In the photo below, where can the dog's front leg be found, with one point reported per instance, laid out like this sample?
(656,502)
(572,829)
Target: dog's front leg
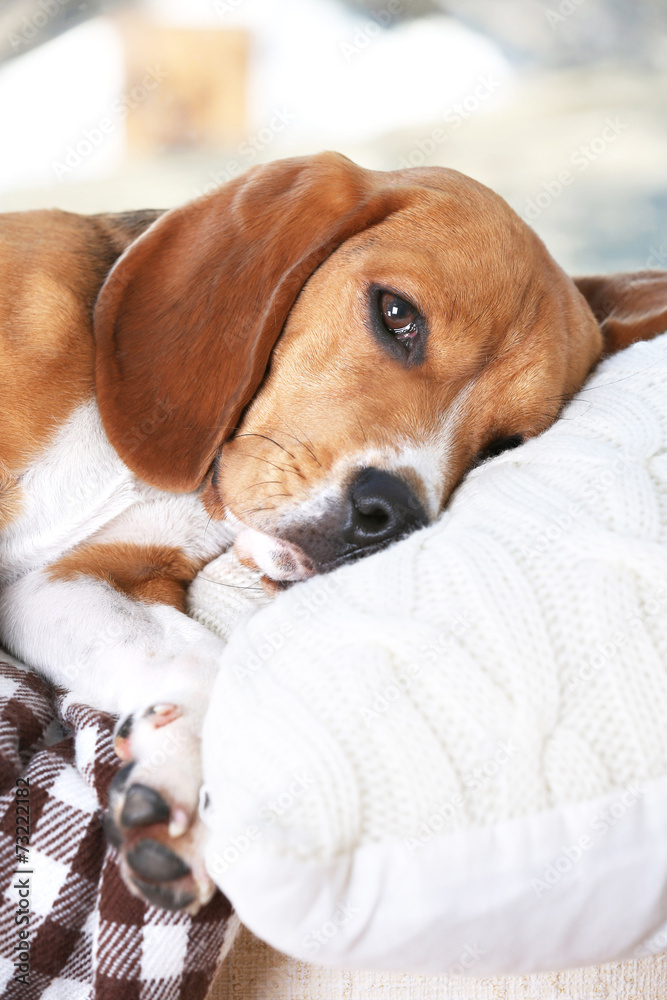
(154,667)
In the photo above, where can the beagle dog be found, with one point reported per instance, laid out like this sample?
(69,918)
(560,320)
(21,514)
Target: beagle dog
(302,364)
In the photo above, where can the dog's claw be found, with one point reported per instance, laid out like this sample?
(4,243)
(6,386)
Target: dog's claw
(205,890)
(179,823)
(164,714)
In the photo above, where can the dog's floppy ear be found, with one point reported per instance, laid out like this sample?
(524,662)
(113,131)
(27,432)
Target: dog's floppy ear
(186,320)
(628,307)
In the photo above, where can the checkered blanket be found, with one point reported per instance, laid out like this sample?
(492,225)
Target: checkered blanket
(69,929)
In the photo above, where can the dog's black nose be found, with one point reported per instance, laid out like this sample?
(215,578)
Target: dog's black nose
(381,507)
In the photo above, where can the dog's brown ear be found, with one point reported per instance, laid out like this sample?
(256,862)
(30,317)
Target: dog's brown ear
(186,320)
(628,307)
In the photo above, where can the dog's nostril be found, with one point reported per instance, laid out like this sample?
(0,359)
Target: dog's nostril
(375,514)
(381,507)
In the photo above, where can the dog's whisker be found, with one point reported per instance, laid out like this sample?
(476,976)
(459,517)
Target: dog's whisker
(267,438)
(280,468)
(361,426)
(266,482)
(656,364)
(233,586)
(306,448)
(255,510)
(308,439)
(451,312)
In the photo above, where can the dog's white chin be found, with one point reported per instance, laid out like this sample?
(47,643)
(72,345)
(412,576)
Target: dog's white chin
(276,558)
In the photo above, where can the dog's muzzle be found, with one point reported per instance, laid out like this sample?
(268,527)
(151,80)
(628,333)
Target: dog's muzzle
(375,509)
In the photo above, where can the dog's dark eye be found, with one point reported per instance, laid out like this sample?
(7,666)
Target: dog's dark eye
(399,317)
(499,445)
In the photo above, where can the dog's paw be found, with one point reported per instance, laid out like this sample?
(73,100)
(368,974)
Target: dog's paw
(153,809)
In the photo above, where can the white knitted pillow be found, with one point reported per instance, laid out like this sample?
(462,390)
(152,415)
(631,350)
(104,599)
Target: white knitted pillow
(452,756)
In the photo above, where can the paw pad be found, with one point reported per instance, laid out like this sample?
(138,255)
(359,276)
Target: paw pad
(143,806)
(156,862)
(152,818)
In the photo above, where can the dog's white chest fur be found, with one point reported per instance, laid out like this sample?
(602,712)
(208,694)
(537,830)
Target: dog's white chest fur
(79,491)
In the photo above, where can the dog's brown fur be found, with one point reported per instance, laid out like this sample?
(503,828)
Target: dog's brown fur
(233,350)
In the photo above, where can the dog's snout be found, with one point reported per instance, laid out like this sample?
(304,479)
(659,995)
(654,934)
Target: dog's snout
(381,508)
(376,508)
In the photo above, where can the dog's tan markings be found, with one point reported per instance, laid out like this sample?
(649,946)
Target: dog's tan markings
(213,505)
(156,574)
(508,340)
(10,499)
(52,265)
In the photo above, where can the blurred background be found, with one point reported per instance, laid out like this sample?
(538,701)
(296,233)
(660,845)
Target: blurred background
(559,105)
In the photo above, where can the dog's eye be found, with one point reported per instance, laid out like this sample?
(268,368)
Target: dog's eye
(499,445)
(399,317)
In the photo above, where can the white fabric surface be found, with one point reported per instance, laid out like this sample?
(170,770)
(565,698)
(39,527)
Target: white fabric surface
(401,756)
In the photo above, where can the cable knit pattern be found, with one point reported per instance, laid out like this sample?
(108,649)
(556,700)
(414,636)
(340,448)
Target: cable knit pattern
(223,594)
(508,659)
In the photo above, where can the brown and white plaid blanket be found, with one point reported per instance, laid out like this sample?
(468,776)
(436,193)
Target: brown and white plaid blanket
(69,929)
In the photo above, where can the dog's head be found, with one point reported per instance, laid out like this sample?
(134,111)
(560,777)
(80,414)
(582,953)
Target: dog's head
(334,347)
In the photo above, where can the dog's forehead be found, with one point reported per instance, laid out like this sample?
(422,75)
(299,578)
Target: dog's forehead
(447,262)
(451,234)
